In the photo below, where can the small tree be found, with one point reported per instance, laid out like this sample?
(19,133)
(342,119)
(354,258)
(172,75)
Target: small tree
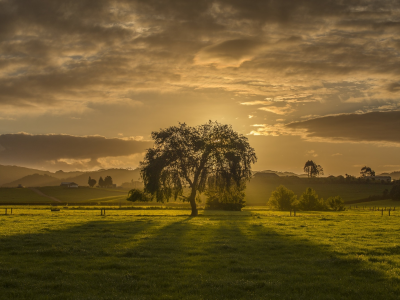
(185,157)
(92,182)
(367,171)
(108,181)
(283,199)
(101,182)
(336,203)
(310,201)
(312,169)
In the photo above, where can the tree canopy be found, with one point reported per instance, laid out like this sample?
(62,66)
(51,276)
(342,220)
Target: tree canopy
(312,169)
(187,157)
(367,171)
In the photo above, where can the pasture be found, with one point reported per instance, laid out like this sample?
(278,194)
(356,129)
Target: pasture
(165,254)
(258,191)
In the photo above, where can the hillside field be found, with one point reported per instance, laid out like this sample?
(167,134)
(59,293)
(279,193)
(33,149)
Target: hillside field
(16,195)
(164,254)
(258,191)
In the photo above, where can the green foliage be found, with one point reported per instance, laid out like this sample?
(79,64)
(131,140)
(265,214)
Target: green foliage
(395,192)
(336,203)
(309,201)
(283,198)
(222,197)
(136,195)
(92,182)
(108,181)
(312,169)
(185,156)
(367,171)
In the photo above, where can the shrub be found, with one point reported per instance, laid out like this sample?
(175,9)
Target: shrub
(227,198)
(310,201)
(283,198)
(336,203)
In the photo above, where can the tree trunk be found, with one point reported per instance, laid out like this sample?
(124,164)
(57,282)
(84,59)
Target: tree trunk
(192,200)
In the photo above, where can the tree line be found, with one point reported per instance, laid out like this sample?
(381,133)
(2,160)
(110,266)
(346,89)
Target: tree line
(285,199)
(106,182)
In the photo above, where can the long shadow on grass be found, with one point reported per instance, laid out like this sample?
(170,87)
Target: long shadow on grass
(237,259)
(182,258)
(81,262)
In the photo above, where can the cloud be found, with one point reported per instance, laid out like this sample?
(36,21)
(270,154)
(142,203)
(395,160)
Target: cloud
(66,151)
(337,154)
(65,57)
(377,127)
(228,53)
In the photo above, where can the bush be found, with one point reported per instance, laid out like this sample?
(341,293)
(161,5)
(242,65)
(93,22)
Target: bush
(283,198)
(310,201)
(229,198)
(336,203)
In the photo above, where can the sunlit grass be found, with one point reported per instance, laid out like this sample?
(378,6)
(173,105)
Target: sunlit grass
(164,254)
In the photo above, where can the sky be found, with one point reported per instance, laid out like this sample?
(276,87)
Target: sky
(84,83)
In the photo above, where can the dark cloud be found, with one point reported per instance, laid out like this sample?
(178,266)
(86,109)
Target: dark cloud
(370,127)
(64,56)
(46,149)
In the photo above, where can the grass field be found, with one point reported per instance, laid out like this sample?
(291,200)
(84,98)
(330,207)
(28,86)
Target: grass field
(83,194)
(165,254)
(10,195)
(258,192)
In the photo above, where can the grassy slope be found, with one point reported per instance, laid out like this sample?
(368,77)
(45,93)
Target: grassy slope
(83,194)
(9,195)
(259,255)
(259,191)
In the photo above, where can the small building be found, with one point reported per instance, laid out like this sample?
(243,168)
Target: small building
(69,184)
(383,178)
(379,178)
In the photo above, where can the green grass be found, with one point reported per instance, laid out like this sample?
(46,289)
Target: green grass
(21,195)
(258,192)
(378,203)
(82,194)
(165,254)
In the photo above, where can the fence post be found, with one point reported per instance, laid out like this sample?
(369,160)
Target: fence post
(290,212)
(11,210)
(382,211)
(294,212)
(389,212)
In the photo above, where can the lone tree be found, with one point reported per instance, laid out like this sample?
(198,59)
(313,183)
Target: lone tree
(187,157)
(367,171)
(101,182)
(92,182)
(312,169)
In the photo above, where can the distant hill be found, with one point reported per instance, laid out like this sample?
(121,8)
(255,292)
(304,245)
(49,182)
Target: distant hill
(395,175)
(34,180)
(283,174)
(13,175)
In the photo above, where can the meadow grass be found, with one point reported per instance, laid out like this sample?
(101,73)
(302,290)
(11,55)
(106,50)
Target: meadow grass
(378,203)
(165,254)
(81,194)
(21,195)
